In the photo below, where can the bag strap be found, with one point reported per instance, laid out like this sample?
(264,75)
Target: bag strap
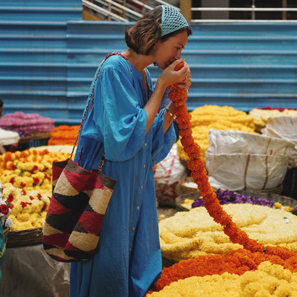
(86,110)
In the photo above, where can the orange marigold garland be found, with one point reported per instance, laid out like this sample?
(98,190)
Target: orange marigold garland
(235,262)
(198,172)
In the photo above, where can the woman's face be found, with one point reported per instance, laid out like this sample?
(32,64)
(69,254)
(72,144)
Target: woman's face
(170,50)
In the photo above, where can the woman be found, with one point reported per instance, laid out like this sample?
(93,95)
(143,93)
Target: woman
(135,137)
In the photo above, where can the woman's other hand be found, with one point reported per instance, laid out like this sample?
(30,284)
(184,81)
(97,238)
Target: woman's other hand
(180,78)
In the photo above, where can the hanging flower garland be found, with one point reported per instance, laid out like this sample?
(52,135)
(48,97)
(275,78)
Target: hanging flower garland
(199,173)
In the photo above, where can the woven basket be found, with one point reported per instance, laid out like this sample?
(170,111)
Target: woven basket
(186,189)
(180,200)
(167,262)
(6,230)
(24,237)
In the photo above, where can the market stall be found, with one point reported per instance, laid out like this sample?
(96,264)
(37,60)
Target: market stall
(232,225)
(26,178)
(246,170)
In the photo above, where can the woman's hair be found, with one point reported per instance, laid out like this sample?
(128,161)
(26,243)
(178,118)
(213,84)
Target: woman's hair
(142,37)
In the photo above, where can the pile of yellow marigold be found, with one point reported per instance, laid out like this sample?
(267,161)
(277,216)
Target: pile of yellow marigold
(194,233)
(260,116)
(29,169)
(26,177)
(28,208)
(215,117)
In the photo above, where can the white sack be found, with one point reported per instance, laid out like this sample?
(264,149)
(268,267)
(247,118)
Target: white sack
(8,137)
(245,172)
(242,161)
(233,142)
(167,176)
(284,128)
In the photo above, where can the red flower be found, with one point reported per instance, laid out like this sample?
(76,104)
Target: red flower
(13,167)
(31,198)
(35,167)
(23,184)
(39,196)
(11,206)
(35,180)
(10,198)
(12,180)
(4,208)
(44,206)
(23,192)
(24,204)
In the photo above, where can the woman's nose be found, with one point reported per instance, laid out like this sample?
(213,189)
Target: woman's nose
(177,57)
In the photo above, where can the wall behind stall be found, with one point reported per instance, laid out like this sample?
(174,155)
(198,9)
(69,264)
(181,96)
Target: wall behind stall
(48,59)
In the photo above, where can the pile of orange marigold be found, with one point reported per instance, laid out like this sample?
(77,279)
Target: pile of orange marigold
(63,135)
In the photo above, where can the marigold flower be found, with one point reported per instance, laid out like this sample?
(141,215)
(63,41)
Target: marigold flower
(183,118)
(180,102)
(181,110)
(187,140)
(193,149)
(184,125)
(185,132)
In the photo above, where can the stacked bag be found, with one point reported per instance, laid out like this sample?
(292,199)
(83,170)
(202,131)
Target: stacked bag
(243,161)
(284,127)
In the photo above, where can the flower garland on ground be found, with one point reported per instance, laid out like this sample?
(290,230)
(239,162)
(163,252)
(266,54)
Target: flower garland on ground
(268,280)
(199,173)
(235,262)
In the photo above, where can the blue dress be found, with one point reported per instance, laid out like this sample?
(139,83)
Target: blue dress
(128,257)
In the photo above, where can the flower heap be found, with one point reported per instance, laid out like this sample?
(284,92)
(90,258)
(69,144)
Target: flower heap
(215,117)
(236,262)
(27,208)
(64,134)
(29,169)
(5,210)
(268,280)
(199,173)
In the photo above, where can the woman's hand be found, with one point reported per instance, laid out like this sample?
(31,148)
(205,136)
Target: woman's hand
(180,78)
